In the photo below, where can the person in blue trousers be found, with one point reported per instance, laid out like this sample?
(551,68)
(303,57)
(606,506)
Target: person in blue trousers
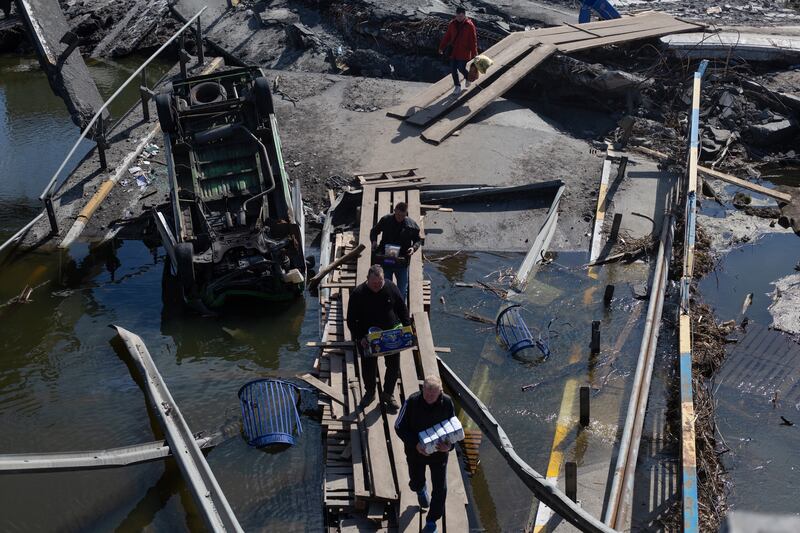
(399,231)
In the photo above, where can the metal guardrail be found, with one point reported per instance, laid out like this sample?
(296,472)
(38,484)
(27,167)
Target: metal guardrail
(546,491)
(97,119)
(210,500)
(688,455)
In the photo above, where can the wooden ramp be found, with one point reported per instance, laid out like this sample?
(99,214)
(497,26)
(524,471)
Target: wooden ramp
(366,477)
(515,57)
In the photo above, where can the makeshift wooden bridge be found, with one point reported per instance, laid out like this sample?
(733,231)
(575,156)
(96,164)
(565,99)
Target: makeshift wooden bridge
(366,477)
(441,113)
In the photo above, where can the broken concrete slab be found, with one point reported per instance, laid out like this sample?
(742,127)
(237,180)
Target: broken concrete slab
(771,132)
(134,27)
(746,46)
(68,75)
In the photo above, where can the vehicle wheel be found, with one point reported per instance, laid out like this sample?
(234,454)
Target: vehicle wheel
(263,97)
(166,115)
(184,251)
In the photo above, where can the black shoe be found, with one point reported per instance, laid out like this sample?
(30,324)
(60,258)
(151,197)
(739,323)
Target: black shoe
(391,404)
(366,400)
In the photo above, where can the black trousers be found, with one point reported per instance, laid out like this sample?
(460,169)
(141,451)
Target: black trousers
(457,65)
(416,474)
(369,371)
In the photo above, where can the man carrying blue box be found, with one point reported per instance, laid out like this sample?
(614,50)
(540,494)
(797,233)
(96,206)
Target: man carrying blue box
(422,414)
(376,303)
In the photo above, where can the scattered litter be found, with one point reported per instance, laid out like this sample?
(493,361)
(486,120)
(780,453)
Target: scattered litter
(135,170)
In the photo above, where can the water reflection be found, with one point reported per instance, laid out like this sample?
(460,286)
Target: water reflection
(63,387)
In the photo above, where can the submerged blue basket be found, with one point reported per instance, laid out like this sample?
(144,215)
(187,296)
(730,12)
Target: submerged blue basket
(512,331)
(269,412)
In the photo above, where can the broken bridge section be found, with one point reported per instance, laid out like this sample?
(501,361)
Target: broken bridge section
(66,71)
(442,113)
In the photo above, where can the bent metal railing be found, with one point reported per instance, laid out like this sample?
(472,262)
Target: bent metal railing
(47,194)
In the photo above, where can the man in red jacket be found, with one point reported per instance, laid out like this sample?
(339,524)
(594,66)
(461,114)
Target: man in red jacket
(462,40)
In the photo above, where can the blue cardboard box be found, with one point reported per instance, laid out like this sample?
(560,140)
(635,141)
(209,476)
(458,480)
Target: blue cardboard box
(391,341)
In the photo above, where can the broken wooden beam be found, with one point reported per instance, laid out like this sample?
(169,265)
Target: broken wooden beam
(349,256)
(323,387)
(780,196)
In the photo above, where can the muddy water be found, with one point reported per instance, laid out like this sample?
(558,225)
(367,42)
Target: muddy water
(64,388)
(761,455)
(564,297)
(36,132)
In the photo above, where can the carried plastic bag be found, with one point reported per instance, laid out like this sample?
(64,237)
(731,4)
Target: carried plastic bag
(482,63)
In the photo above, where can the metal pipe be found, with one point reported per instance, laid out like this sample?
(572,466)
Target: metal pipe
(622,483)
(49,188)
(265,156)
(108,458)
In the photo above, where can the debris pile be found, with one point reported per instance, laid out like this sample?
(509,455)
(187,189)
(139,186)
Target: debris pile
(708,354)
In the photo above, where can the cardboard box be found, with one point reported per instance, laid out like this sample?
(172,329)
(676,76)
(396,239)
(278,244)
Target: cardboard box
(391,341)
(449,431)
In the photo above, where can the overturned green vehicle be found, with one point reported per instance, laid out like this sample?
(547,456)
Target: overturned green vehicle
(234,225)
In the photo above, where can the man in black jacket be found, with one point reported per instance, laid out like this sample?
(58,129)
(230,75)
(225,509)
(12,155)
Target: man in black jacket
(376,303)
(399,230)
(421,411)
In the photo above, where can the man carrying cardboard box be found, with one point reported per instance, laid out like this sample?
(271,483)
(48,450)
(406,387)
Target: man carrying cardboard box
(376,303)
(422,411)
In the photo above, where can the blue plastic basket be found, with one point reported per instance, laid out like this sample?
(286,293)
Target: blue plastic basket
(269,412)
(512,331)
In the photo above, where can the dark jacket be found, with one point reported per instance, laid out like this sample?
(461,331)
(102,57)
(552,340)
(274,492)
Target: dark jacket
(417,415)
(464,38)
(403,234)
(382,309)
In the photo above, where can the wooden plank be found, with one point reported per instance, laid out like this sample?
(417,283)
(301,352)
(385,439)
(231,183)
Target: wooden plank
(408,512)
(383,483)
(415,269)
(338,285)
(384,203)
(455,506)
(783,197)
(445,85)
(600,25)
(327,389)
(395,181)
(367,221)
(370,176)
(447,101)
(678,27)
(461,115)
(336,384)
(350,362)
(427,352)
(329,344)
(566,34)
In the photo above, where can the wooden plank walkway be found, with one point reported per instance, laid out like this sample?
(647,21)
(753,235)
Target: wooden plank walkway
(513,60)
(366,475)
